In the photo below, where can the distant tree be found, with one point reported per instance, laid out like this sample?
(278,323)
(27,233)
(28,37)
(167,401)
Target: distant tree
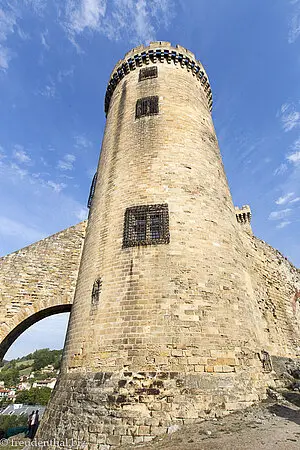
(44,357)
(10,376)
(34,396)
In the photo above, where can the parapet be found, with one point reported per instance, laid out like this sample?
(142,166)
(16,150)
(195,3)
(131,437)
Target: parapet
(243,216)
(159,51)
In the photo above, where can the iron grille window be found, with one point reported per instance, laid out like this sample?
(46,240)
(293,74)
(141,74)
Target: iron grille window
(92,191)
(148,72)
(97,287)
(146,225)
(146,106)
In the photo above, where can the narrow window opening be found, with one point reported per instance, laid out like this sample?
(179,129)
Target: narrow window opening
(92,191)
(97,287)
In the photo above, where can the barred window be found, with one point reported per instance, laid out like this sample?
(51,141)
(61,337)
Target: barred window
(97,287)
(146,225)
(148,72)
(146,106)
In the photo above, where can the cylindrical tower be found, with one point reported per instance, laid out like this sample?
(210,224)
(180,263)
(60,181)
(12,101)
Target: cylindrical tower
(162,330)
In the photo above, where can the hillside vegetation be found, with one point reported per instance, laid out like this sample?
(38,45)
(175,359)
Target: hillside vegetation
(12,370)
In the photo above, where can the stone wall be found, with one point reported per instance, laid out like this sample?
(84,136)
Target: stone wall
(37,281)
(276,295)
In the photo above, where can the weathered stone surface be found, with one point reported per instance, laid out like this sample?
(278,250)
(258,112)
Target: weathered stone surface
(37,281)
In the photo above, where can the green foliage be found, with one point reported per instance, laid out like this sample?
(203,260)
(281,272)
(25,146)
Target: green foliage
(24,363)
(34,396)
(44,357)
(11,371)
(11,421)
(10,376)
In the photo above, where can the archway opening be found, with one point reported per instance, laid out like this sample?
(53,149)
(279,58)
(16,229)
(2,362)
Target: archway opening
(27,323)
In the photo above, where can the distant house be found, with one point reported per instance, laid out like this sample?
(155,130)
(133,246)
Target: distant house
(47,369)
(24,386)
(8,394)
(4,392)
(50,383)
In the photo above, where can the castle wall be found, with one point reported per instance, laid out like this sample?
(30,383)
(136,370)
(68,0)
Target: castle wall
(40,277)
(276,296)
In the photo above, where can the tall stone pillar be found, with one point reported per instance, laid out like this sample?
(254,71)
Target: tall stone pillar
(162,329)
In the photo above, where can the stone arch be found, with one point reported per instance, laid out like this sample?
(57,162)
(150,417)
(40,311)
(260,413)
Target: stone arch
(23,321)
(38,281)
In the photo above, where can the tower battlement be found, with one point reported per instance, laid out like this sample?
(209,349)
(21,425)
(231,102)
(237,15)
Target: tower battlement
(158,52)
(243,216)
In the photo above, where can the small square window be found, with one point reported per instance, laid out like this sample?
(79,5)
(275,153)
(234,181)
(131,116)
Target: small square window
(148,72)
(146,106)
(146,225)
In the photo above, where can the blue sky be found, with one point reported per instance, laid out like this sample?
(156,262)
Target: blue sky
(55,60)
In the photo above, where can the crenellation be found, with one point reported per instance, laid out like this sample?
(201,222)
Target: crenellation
(135,59)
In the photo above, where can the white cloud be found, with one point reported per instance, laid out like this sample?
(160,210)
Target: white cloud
(38,6)
(62,74)
(81,141)
(294,157)
(9,227)
(44,42)
(136,20)
(294,24)
(281,169)
(283,224)
(8,20)
(2,153)
(7,23)
(290,117)
(295,200)
(57,187)
(84,14)
(5,57)
(296,145)
(67,163)
(10,15)
(17,170)
(81,214)
(284,199)
(20,155)
(277,215)
(48,91)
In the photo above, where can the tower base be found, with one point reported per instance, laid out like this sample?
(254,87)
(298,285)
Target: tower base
(103,410)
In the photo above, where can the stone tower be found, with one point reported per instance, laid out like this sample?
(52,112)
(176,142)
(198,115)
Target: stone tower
(162,329)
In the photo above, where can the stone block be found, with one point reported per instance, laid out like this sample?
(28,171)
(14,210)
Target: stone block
(157,431)
(228,368)
(199,368)
(113,440)
(143,430)
(127,440)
